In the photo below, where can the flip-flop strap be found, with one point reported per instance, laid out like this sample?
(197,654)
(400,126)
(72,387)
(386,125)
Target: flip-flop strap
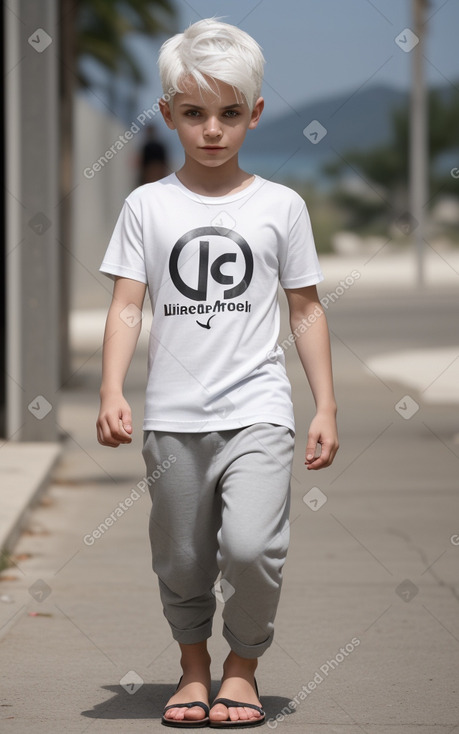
(229,703)
(188,706)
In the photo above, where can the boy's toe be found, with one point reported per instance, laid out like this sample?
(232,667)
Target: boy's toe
(219,712)
(195,713)
(243,714)
(174,714)
(185,713)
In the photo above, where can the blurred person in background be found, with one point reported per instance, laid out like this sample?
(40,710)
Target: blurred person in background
(153,163)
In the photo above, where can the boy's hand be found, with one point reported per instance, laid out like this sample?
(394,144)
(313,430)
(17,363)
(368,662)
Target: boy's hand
(114,424)
(323,436)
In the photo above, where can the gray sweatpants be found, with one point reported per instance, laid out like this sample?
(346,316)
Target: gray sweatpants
(220,503)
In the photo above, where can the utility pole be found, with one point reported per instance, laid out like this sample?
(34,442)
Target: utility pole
(419,140)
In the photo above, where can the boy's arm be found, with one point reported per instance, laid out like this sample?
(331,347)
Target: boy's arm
(122,329)
(309,326)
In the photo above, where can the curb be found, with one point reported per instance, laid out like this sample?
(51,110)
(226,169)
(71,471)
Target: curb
(26,472)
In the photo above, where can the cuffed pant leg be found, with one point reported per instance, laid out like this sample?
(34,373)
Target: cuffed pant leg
(184,519)
(254,534)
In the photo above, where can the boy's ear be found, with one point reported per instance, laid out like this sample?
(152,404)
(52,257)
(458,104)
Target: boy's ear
(256,113)
(166,113)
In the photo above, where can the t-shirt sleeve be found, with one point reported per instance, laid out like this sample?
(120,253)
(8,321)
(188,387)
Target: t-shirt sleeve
(299,267)
(125,252)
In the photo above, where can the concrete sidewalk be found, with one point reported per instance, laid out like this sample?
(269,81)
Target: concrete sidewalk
(367,629)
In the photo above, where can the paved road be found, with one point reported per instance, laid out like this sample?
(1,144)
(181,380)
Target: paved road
(367,636)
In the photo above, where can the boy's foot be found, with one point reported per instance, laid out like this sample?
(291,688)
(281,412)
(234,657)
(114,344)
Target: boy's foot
(192,687)
(238,684)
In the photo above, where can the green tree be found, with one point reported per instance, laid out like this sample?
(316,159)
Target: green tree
(385,168)
(103,25)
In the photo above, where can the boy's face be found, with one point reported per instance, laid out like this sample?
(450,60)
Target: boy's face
(211,127)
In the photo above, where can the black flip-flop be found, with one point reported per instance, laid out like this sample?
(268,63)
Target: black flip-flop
(229,703)
(186,722)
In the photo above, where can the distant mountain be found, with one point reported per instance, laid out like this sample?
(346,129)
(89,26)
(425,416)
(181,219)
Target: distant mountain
(355,119)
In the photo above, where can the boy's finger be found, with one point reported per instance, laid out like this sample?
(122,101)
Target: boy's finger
(126,421)
(325,453)
(110,436)
(115,431)
(104,436)
(325,458)
(311,449)
(318,463)
(124,431)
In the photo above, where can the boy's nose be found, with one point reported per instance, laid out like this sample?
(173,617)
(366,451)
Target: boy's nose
(212,128)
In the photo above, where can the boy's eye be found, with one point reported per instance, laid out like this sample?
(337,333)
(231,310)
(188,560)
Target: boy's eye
(229,114)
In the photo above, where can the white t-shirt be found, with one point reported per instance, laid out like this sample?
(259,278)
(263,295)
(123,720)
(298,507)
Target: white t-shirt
(213,266)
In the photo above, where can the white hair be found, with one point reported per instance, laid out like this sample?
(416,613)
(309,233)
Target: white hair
(214,49)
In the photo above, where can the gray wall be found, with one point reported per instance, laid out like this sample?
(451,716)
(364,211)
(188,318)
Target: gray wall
(32,210)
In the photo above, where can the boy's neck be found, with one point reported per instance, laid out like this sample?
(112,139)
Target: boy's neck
(220,181)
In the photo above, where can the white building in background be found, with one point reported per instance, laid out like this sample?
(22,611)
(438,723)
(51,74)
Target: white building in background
(105,171)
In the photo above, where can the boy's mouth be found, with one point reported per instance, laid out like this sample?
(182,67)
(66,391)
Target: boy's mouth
(212,147)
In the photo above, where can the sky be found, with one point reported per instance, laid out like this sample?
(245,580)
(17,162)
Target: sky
(319,48)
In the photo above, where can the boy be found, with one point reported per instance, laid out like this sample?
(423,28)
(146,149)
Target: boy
(212,242)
